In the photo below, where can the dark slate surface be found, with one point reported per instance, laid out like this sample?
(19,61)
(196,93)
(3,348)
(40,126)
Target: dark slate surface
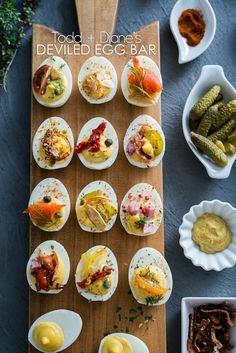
(185,180)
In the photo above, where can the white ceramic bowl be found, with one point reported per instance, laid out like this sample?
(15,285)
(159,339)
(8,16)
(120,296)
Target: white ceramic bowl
(219,260)
(210,75)
(187,306)
(186,52)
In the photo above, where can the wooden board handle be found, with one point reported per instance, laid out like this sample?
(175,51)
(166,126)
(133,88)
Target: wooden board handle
(95,17)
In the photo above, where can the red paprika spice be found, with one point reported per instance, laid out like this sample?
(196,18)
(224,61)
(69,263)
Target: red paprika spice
(192,26)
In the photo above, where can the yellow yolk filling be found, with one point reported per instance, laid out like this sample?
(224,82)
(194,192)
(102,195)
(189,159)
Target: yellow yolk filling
(48,336)
(117,344)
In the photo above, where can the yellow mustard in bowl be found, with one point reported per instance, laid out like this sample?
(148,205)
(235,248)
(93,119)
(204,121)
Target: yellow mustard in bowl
(48,336)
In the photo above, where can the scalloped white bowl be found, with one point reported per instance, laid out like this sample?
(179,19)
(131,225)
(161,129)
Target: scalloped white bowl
(219,260)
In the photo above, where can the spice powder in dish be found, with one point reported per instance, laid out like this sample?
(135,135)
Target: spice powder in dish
(192,26)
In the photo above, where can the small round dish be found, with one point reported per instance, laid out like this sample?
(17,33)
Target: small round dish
(219,260)
(186,52)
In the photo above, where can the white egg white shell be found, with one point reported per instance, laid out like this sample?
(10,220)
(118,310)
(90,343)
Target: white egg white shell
(146,190)
(62,126)
(47,247)
(57,62)
(109,192)
(84,292)
(146,257)
(109,132)
(94,64)
(133,129)
(69,321)
(54,188)
(148,63)
(137,344)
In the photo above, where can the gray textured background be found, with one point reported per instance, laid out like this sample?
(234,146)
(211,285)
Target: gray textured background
(185,180)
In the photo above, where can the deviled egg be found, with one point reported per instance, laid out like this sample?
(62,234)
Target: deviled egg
(141,81)
(96,207)
(96,275)
(97,80)
(48,268)
(97,145)
(49,205)
(52,82)
(144,142)
(53,144)
(150,278)
(55,330)
(122,343)
(141,210)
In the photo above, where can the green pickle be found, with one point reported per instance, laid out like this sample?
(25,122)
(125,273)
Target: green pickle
(201,106)
(224,132)
(224,115)
(210,149)
(208,117)
(220,145)
(229,148)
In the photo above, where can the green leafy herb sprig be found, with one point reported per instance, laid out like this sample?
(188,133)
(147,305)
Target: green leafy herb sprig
(13,23)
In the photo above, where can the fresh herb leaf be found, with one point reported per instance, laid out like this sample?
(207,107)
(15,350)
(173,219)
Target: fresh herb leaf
(152,300)
(118,309)
(142,221)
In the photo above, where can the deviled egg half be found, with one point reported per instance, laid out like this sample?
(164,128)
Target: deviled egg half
(97,80)
(52,82)
(96,207)
(53,144)
(141,81)
(97,144)
(48,268)
(55,330)
(49,205)
(144,142)
(150,278)
(141,210)
(122,343)
(96,275)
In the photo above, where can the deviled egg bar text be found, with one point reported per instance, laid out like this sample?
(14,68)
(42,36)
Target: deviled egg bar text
(55,330)
(49,205)
(144,142)
(48,268)
(52,82)
(122,343)
(97,80)
(96,207)
(53,144)
(141,210)
(150,277)
(97,145)
(97,274)
(141,81)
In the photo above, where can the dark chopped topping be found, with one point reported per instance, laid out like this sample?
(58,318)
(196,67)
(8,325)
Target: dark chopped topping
(209,327)
(47,199)
(108,142)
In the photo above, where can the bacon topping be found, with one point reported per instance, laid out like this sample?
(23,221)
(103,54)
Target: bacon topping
(94,277)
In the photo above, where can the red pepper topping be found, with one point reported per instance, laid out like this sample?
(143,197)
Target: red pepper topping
(94,140)
(129,196)
(97,275)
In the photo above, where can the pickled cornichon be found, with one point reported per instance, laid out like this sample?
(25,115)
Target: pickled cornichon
(204,103)
(224,132)
(208,117)
(229,148)
(224,114)
(210,149)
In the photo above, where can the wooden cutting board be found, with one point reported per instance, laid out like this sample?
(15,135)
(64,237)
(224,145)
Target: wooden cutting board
(98,317)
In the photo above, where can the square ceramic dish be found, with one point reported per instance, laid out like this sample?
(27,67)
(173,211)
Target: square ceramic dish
(187,306)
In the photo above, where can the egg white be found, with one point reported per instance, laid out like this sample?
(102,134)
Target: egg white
(62,126)
(148,63)
(84,292)
(57,62)
(133,128)
(145,257)
(109,133)
(94,64)
(47,247)
(109,192)
(70,322)
(146,190)
(137,344)
(54,188)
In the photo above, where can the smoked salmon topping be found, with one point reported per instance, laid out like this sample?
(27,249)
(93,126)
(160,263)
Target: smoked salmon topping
(43,212)
(143,81)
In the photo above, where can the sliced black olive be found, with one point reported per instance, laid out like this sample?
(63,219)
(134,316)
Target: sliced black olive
(82,202)
(108,142)
(106,283)
(58,215)
(47,199)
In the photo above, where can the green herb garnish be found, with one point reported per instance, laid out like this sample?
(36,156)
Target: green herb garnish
(118,309)
(142,221)
(152,300)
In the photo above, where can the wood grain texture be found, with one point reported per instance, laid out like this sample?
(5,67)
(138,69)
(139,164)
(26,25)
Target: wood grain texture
(98,317)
